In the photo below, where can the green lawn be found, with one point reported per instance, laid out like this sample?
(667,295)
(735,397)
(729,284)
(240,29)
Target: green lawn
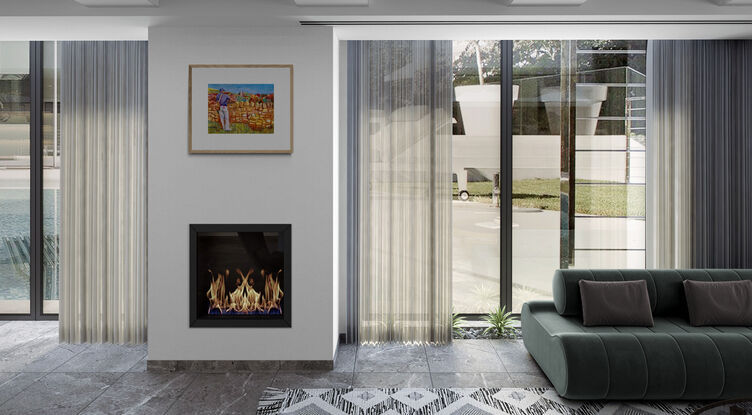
(602,200)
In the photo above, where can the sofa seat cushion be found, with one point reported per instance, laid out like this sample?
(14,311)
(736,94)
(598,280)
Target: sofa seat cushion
(671,360)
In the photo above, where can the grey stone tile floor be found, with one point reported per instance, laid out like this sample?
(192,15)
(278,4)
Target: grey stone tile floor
(39,375)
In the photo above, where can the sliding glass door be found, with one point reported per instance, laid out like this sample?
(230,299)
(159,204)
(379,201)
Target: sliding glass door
(15,178)
(570,191)
(28,120)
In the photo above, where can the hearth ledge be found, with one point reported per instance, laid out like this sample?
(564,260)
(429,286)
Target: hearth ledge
(221,366)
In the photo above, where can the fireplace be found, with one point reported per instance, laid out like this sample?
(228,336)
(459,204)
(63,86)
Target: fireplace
(240,275)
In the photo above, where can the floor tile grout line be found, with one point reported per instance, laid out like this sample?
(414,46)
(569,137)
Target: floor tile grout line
(188,386)
(72,356)
(146,355)
(27,364)
(23,389)
(498,356)
(428,364)
(103,389)
(89,345)
(45,374)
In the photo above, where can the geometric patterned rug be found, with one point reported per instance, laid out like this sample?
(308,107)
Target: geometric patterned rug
(462,401)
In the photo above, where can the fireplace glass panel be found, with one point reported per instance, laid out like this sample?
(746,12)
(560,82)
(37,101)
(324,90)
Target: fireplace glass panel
(241,276)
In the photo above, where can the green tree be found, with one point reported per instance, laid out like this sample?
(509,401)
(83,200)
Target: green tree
(465,67)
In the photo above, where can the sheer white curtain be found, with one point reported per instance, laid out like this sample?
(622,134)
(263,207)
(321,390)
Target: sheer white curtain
(669,153)
(103,237)
(404,189)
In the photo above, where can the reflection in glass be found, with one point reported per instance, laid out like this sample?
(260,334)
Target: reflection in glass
(14,178)
(536,161)
(609,172)
(51,178)
(610,190)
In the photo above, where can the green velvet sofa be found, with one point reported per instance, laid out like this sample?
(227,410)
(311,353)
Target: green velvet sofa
(672,360)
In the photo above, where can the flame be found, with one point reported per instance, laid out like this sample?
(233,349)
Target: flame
(244,299)
(272,292)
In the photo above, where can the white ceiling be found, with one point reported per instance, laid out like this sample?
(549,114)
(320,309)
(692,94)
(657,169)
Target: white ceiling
(118,3)
(329,3)
(734,2)
(66,19)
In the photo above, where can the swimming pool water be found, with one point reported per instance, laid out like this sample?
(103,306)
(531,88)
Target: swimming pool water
(15,223)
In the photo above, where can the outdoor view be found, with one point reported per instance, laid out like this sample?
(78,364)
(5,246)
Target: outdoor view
(609,173)
(476,145)
(15,179)
(50,178)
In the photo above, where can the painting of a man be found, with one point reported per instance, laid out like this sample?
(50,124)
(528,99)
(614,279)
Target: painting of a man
(224,116)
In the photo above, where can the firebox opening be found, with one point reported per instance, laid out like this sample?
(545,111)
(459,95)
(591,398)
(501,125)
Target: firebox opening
(240,274)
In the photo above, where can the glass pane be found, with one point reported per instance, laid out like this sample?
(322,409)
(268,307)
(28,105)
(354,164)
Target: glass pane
(476,146)
(609,163)
(604,259)
(14,177)
(51,179)
(612,234)
(536,161)
(610,158)
(611,166)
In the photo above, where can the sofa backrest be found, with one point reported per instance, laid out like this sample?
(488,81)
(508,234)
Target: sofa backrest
(665,286)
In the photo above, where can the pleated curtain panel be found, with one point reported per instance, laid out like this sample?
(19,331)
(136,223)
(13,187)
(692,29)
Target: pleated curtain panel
(700,144)
(400,93)
(669,210)
(103,173)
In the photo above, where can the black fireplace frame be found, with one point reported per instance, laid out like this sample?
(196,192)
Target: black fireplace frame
(277,320)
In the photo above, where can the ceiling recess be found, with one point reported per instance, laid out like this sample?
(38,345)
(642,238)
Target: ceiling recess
(331,3)
(733,2)
(544,2)
(118,3)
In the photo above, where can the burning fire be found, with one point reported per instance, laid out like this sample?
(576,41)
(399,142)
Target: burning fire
(244,299)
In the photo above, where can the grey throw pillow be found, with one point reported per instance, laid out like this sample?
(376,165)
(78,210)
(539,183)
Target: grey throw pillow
(615,303)
(721,303)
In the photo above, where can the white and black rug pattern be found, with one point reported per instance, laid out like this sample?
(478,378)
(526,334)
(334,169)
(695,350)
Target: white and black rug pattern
(440,401)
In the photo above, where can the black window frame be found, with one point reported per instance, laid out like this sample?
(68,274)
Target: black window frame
(36,269)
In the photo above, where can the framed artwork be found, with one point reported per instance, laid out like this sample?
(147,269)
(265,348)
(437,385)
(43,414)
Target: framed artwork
(239,109)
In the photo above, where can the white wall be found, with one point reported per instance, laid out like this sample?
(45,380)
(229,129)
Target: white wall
(296,189)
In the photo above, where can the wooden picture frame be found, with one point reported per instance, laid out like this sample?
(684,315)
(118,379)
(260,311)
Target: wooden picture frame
(240,109)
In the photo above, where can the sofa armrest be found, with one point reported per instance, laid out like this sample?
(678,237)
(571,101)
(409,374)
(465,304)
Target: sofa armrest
(565,356)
